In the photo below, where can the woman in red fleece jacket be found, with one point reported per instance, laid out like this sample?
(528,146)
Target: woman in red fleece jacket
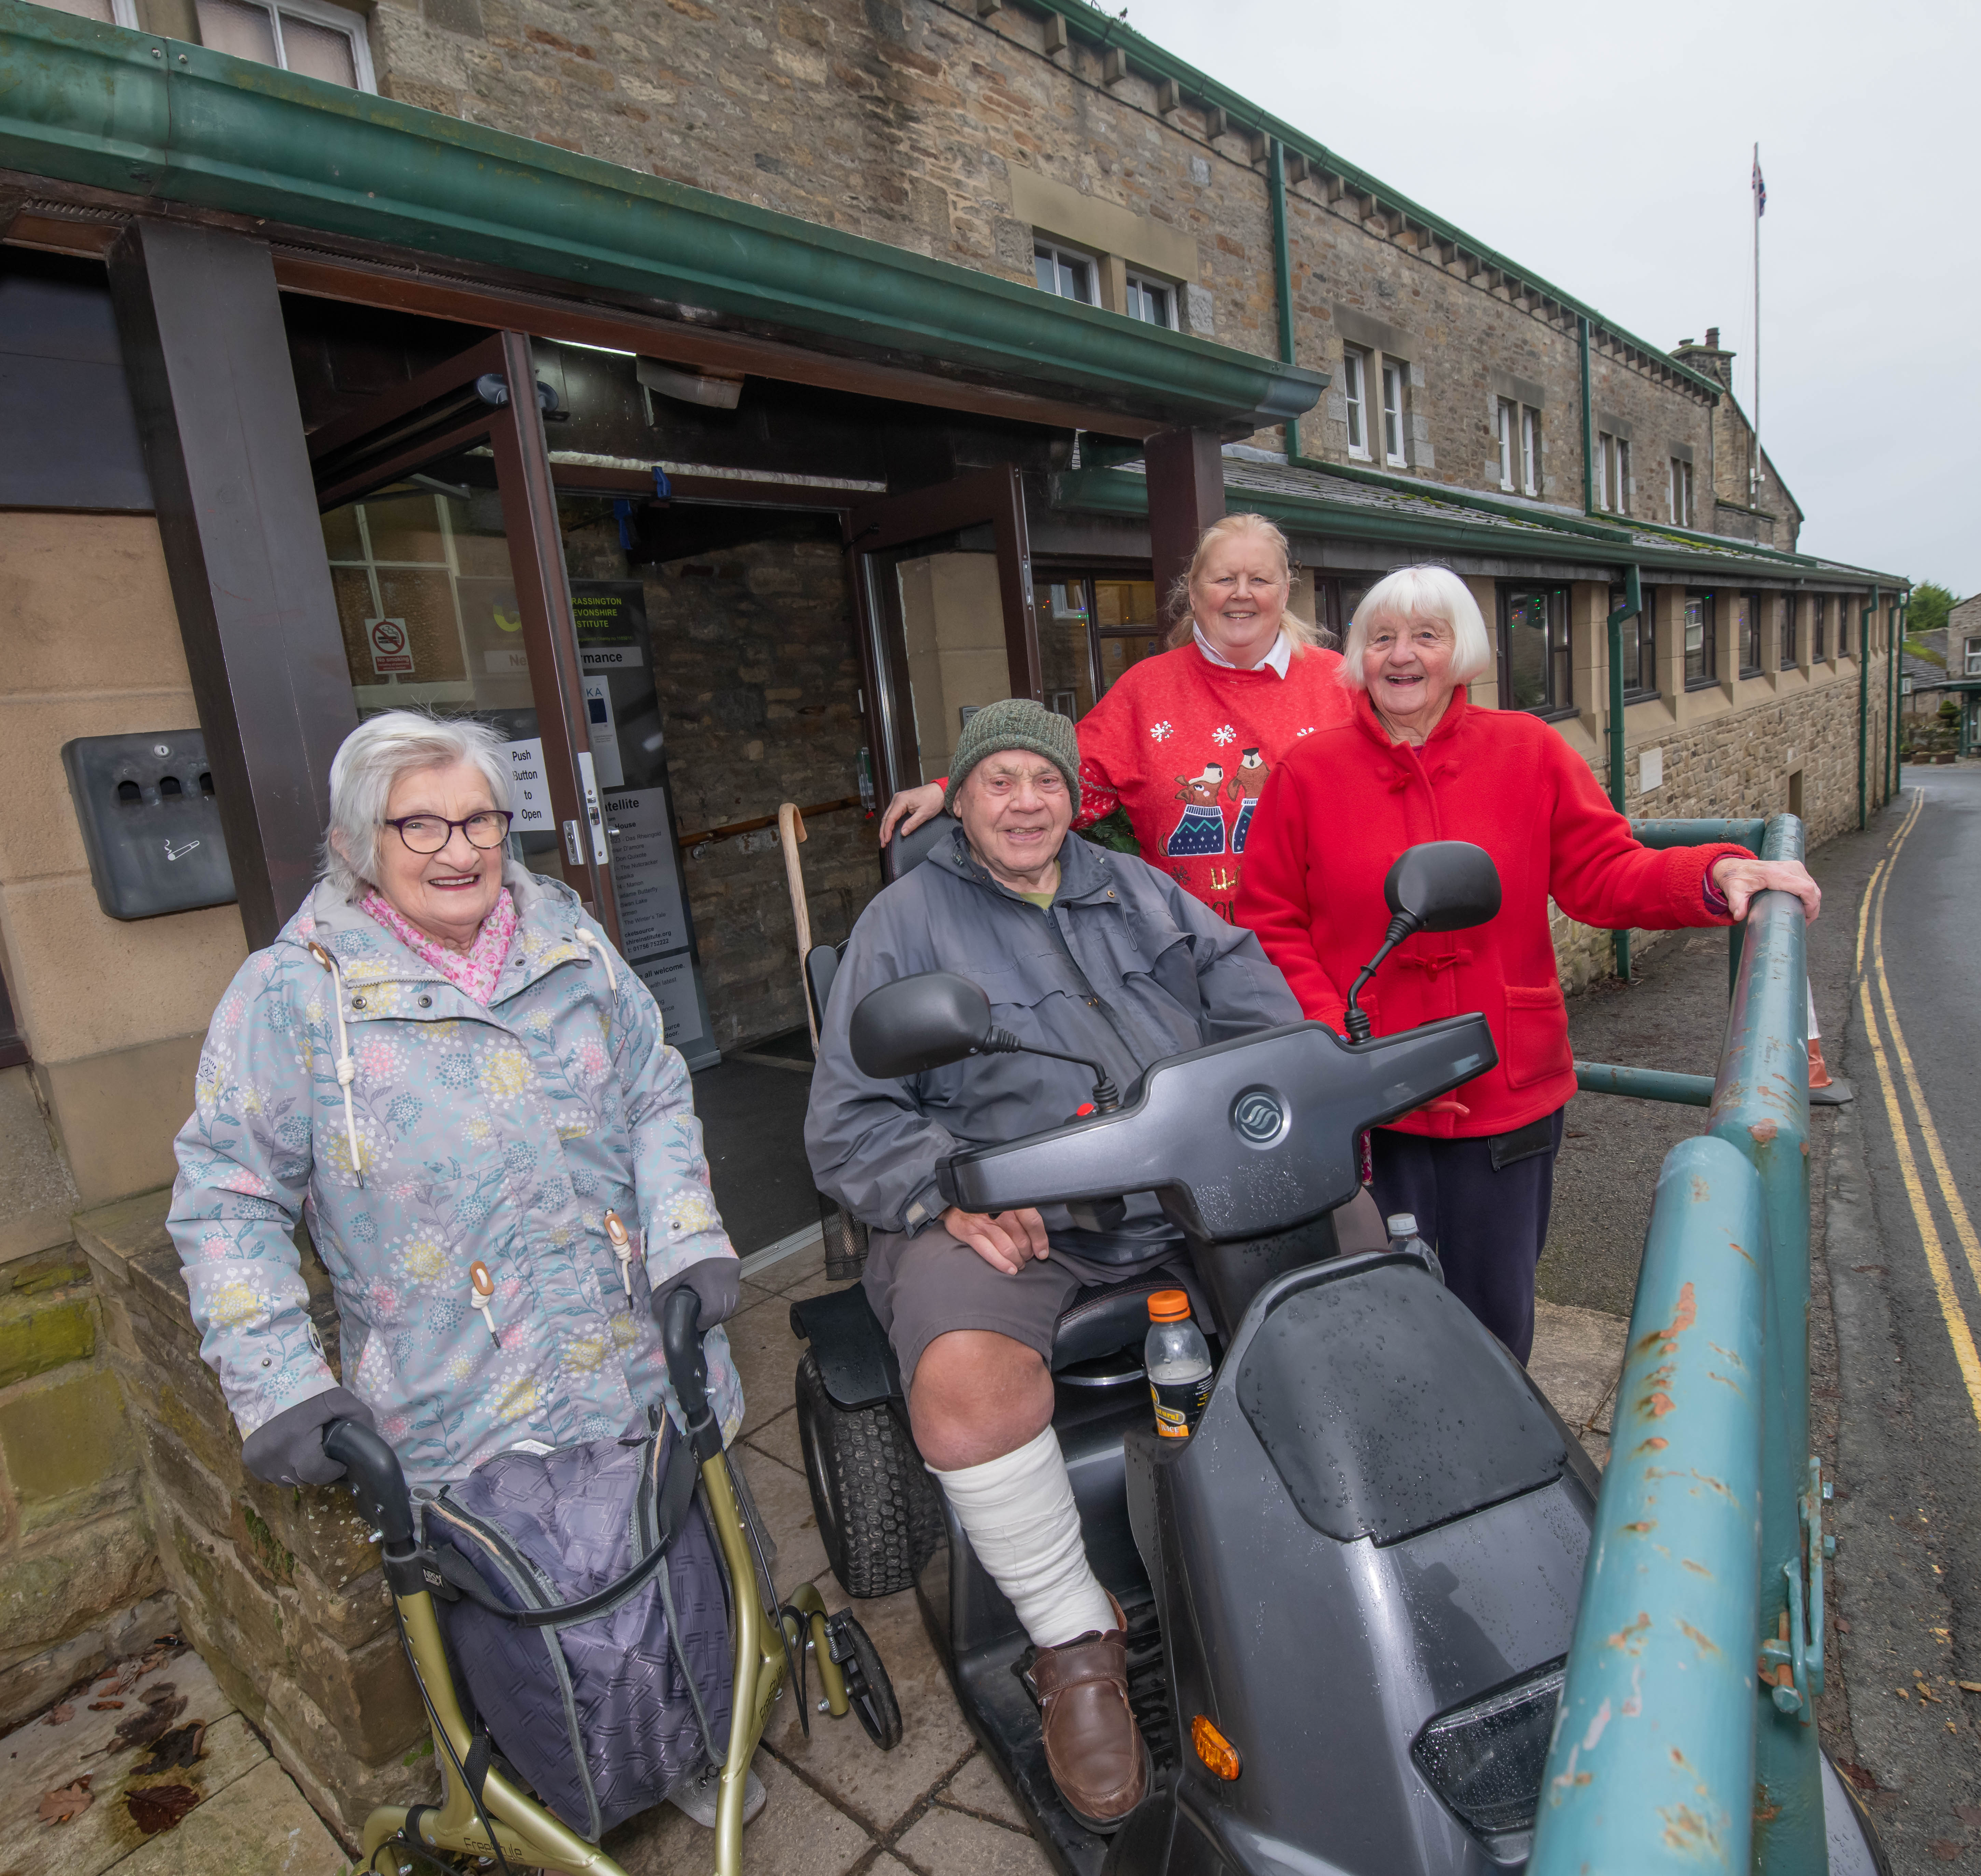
(1185,740)
(1417,762)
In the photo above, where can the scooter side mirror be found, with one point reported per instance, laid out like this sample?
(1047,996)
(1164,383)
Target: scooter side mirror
(1443,885)
(918,1023)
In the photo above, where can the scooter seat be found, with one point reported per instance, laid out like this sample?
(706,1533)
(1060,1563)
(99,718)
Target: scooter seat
(1109,1316)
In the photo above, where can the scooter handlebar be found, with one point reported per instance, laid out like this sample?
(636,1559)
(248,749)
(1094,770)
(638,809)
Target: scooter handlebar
(376,1479)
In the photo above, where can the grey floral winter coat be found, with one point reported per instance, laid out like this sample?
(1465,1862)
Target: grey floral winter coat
(501,1135)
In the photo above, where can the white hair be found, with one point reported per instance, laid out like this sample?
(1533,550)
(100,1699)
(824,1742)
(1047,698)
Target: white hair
(367,767)
(1416,593)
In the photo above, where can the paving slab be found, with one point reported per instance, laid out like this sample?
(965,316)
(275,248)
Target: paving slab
(260,1825)
(785,1504)
(800,1833)
(779,1439)
(948,1843)
(1577,1359)
(978,1787)
(766,1353)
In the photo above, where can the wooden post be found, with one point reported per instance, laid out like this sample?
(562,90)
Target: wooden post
(208,361)
(1185,472)
(790,830)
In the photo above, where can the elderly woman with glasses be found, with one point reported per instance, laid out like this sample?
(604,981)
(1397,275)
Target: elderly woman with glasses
(1417,762)
(443,1069)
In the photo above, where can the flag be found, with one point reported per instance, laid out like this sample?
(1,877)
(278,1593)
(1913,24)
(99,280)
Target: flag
(1760,186)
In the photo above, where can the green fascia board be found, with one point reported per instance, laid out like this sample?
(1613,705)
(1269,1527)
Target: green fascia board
(1106,29)
(1124,494)
(154,118)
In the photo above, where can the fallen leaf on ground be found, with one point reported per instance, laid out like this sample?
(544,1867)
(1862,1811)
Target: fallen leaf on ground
(1967,1814)
(151,1722)
(57,1715)
(1863,1780)
(105,1706)
(1946,1852)
(160,1806)
(1843,1624)
(1904,1693)
(175,1750)
(1973,1687)
(71,1802)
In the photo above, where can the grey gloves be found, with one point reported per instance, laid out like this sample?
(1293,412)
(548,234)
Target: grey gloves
(288,1449)
(717,1281)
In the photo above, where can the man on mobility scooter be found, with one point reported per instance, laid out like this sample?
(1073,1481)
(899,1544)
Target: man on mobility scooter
(1096,958)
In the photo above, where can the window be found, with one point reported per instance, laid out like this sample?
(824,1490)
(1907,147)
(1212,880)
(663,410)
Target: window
(1092,627)
(108,12)
(1747,632)
(1702,648)
(1680,492)
(1059,271)
(1530,451)
(1971,649)
(1534,672)
(303,36)
(1844,602)
(1640,647)
(1354,376)
(1396,375)
(1819,628)
(1506,418)
(1151,300)
(1791,638)
(1612,474)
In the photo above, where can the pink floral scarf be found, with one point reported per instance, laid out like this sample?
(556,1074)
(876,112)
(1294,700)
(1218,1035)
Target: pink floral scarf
(474,974)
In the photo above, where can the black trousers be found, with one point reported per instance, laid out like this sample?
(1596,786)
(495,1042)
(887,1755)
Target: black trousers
(1487,1225)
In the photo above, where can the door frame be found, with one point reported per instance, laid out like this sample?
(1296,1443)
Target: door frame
(994,497)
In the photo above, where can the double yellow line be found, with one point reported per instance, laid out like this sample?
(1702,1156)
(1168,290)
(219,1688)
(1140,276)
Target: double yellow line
(1870,970)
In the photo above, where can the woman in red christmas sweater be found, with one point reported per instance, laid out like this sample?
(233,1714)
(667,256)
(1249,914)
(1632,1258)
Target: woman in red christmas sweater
(1184,740)
(1417,762)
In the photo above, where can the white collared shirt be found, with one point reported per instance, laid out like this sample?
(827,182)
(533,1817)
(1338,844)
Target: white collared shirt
(1276,661)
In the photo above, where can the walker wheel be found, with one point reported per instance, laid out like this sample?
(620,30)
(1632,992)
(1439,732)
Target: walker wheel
(867,1687)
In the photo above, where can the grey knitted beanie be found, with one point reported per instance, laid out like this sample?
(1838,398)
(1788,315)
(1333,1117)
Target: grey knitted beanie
(1015,723)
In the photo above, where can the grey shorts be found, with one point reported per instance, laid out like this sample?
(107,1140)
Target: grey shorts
(930,1284)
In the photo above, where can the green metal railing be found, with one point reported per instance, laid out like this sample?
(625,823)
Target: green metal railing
(1686,1732)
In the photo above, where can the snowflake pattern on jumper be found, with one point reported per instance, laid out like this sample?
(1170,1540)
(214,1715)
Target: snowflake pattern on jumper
(1224,734)
(1159,731)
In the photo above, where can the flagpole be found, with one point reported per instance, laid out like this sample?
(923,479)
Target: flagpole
(1754,473)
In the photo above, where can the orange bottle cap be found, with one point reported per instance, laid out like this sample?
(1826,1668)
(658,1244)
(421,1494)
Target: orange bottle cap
(1168,1306)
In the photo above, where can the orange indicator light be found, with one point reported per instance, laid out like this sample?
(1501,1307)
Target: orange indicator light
(1213,1749)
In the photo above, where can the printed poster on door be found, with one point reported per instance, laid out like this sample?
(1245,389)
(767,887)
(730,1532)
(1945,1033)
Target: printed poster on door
(391,647)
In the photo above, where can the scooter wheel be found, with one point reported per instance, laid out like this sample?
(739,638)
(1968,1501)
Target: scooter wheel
(868,1689)
(879,1513)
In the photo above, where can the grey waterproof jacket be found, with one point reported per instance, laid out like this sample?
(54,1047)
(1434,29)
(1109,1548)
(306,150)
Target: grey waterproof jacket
(1127,969)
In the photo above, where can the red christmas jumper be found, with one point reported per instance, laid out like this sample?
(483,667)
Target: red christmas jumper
(1185,746)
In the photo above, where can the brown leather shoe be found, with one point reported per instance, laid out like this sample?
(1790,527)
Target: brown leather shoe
(1093,1748)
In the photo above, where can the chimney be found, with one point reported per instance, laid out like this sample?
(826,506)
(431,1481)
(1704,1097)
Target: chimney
(1712,338)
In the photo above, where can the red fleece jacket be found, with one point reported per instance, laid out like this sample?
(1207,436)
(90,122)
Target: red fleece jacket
(1341,806)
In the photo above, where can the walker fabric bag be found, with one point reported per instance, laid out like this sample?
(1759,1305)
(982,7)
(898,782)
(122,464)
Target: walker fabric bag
(589,1594)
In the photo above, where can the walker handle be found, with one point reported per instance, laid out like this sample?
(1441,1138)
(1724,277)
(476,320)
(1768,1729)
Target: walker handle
(688,1369)
(376,1479)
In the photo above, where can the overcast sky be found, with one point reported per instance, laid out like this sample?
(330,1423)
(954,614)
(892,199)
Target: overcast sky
(1609,149)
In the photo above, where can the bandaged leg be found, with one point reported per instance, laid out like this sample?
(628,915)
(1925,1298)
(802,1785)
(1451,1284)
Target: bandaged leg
(1020,1517)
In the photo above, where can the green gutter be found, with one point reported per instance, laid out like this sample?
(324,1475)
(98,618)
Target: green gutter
(1283,278)
(1107,29)
(144,116)
(1864,708)
(1588,428)
(1125,493)
(1632,606)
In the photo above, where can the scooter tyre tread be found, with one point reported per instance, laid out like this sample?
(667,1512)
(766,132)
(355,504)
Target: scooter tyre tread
(879,1513)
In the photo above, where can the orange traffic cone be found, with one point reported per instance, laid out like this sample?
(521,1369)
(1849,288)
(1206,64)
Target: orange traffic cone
(1818,1070)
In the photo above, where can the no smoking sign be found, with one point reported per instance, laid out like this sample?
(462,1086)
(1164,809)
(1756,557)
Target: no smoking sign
(391,649)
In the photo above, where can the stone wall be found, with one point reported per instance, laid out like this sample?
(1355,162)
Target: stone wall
(75,1548)
(759,676)
(279,1590)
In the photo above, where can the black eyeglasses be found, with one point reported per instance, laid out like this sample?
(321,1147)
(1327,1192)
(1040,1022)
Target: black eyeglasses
(430,833)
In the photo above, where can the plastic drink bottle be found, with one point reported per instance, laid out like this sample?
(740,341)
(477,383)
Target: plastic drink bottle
(1177,1360)
(1403,1228)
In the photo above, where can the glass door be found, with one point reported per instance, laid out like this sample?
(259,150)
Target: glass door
(943,579)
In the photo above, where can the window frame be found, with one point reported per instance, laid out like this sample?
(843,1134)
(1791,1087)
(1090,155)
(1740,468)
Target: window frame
(1531,451)
(1678,493)
(1635,689)
(1355,399)
(352,24)
(1708,672)
(1082,575)
(1818,628)
(1788,656)
(1558,665)
(1753,638)
(1163,291)
(1396,371)
(1506,421)
(1045,247)
(1970,655)
(1844,602)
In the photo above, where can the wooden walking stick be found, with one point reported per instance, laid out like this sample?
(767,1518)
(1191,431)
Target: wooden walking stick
(791,831)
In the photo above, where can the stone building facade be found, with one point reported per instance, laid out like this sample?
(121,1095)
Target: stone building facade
(1389,390)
